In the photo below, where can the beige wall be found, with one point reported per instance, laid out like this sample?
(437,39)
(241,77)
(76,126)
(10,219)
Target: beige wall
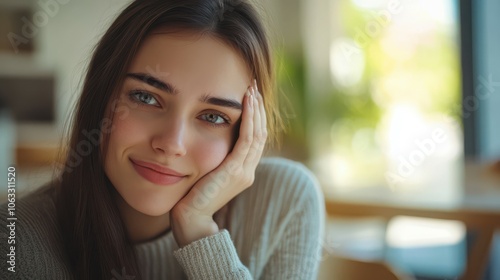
(63,44)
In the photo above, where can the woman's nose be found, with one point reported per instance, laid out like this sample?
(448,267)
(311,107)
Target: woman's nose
(170,139)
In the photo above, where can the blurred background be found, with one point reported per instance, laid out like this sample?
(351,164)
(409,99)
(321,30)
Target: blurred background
(392,103)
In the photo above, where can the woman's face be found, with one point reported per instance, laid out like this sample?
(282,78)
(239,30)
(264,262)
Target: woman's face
(175,119)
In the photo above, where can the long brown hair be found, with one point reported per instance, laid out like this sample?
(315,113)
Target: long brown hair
(94,234)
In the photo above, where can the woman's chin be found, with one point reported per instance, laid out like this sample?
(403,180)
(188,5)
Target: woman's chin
(154,210)
(153,207)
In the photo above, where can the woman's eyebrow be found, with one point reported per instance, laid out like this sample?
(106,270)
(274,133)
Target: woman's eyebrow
(154,82)
(224,102)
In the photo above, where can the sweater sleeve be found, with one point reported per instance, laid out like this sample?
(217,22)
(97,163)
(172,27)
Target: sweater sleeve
(212,257)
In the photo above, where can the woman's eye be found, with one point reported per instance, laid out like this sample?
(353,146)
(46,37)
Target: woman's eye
(215,119)
(144,98)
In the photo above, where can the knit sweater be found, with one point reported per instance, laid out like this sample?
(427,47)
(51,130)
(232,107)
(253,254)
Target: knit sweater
(274,231)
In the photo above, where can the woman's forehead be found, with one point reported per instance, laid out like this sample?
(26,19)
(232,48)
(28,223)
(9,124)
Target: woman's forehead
(189,59)
(197,54)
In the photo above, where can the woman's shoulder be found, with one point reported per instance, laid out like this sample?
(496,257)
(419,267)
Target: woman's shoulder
(283,165)
(286,179)
(33,234)
(285,196)
(33,209)
(281,185)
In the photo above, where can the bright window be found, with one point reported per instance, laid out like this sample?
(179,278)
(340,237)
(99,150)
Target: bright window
(392,117)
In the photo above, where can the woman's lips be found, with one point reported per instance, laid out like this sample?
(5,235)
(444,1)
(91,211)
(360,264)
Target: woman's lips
(156,174)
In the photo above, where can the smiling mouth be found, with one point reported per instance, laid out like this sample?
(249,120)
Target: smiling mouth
(156,174)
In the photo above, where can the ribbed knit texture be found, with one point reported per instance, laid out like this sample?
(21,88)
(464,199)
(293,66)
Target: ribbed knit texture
(273,231)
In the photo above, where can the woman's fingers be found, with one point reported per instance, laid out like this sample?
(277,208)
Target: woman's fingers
(263,114)
(263,124)
(253,132)
(256,149)
(245,139)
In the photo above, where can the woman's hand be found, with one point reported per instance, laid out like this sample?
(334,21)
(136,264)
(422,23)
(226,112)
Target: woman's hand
(192,217)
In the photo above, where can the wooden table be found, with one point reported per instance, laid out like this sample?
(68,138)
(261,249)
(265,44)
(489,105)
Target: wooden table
(479,210)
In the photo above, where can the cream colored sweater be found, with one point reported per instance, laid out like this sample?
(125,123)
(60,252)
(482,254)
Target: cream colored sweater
(274,231)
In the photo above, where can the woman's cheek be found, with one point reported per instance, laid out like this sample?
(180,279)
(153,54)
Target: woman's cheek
(126,134)
(123,133)
(210,153)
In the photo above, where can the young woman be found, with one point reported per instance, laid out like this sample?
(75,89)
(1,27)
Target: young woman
(163,176)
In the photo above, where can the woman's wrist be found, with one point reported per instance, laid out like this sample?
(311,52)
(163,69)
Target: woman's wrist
(189,230)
